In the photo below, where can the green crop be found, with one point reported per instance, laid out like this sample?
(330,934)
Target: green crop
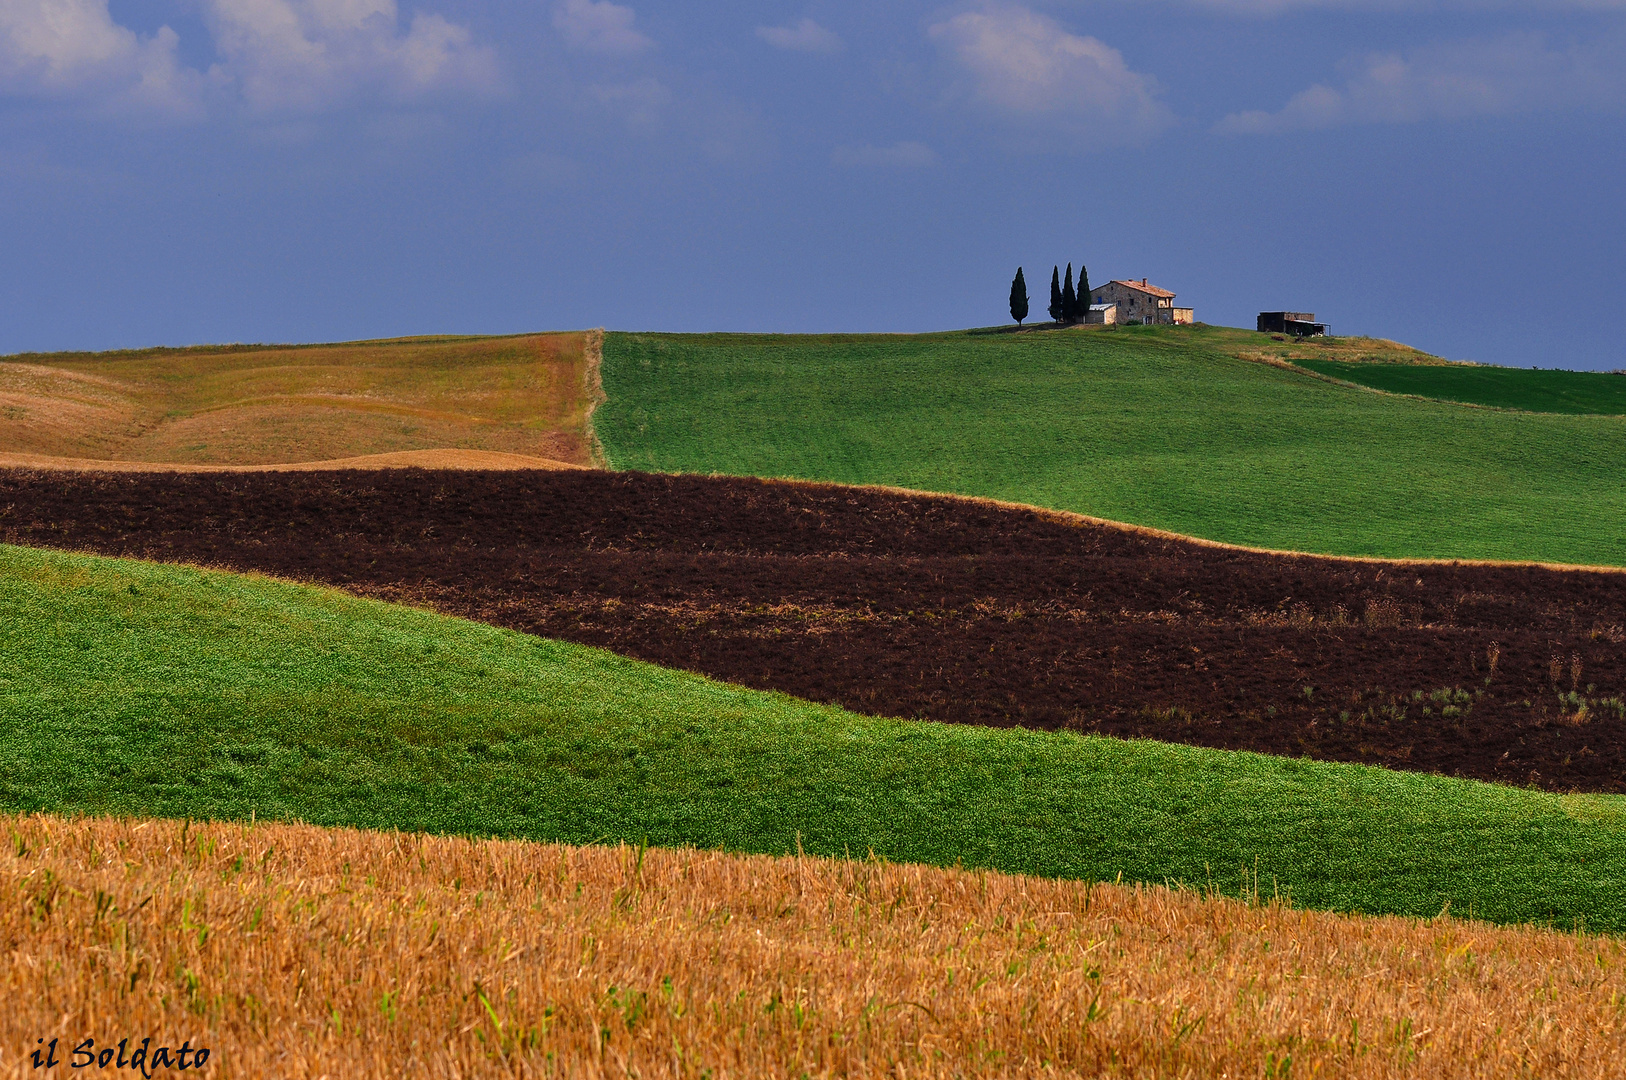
(1164,427)
(133,688)
(1532,390)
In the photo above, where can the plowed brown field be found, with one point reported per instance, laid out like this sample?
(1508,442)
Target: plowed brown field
(944,608)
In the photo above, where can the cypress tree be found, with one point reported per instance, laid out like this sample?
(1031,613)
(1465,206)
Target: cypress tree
(1055,293)
(1069,300)
(1019,298)
(1083,293)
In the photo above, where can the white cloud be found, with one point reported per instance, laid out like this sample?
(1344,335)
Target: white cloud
(1508,76)
(806,36)
(1280,7)
(309,54)
(598,26)
(304,55)
(1026,65)
(903,155)
(73,48)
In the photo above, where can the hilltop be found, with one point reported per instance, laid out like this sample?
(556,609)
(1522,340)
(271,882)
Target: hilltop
(1201,431)
(1351,446)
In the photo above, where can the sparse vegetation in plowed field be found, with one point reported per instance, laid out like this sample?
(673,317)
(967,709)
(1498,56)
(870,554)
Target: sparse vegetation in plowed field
(1577,392)
(904,606)
(1163,426)
(294,951)
(133,688)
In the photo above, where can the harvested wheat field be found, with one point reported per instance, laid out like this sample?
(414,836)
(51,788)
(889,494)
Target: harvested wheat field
(485,460)
(530,395)
(295,951)
(915,606)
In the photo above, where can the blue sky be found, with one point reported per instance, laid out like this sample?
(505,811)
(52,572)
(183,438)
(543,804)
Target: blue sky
(1444,172)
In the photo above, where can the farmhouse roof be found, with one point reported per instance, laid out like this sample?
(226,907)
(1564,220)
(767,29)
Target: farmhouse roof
(1141,286)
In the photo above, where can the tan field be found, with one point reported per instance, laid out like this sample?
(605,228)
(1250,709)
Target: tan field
(294,951)
(1354,349)
(530,396)
(490,460)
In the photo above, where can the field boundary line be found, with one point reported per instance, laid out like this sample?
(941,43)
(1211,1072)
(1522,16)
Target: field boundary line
(1289,366)
(447,458)
(593,383)
(1073,517)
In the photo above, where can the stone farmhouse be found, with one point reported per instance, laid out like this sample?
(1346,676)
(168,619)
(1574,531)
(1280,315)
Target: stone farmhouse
(1136,302)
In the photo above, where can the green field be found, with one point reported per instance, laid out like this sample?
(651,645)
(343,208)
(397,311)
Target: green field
(1574,392)
(1165,427)
(133,688)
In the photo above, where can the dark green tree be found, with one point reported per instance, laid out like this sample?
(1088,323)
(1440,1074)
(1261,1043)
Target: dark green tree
(1055,293)
(1083,292)
(1069,299)
(1019,298)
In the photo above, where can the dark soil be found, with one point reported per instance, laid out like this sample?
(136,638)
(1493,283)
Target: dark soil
(931,607)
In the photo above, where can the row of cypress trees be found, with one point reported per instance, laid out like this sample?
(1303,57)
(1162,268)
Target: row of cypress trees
(1066,304)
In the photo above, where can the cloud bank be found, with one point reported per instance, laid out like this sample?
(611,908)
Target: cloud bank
(1513,75)
(1026,66)
(273,55)
(73,49)
(1282,7)
(598,26)
(309,54)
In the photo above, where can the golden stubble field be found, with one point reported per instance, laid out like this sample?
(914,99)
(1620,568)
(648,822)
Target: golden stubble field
(237,405)
(295,951)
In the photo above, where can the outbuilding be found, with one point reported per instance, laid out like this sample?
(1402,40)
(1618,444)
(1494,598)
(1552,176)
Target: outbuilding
(1297,323)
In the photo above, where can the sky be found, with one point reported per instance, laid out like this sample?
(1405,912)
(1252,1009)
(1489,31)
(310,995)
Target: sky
(1447,173)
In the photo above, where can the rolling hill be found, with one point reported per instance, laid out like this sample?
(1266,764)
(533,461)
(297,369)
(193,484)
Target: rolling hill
(1525,389)
(139,689)
(262,404)
(1202,431)
(549,960)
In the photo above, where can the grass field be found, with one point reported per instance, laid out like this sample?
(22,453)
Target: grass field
(131,688)
(249,405)
(285,949)
(1574,392)
(1194,430)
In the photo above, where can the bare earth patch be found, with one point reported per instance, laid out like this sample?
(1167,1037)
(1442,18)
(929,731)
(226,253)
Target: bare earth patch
(898,604)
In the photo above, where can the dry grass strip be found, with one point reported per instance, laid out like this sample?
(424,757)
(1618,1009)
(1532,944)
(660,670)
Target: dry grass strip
(449,458)
(593,391)
(295,951)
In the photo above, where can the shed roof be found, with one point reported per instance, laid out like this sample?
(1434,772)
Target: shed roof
(1141,286)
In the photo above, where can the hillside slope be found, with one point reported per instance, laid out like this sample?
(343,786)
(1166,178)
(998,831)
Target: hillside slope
(1577,392)
(141,689)
(931,607)
(530,960)
(1167,427)
(252,405)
